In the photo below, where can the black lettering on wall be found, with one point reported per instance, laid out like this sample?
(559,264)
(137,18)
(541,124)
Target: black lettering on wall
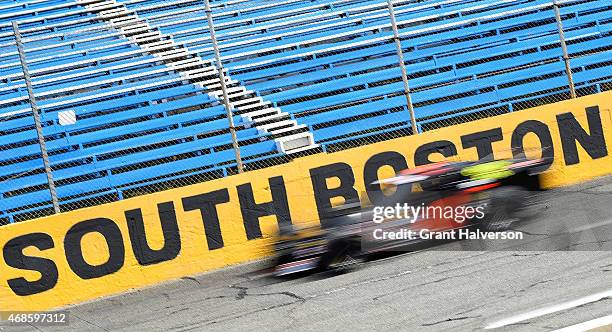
(541,130)
(207,204)
(14,257)
(251,211)
(370,174)
(74,251)
(571,132)
(172,238)
(482,141)
(323,194)
(445,148)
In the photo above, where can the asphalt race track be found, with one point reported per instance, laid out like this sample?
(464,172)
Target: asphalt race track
(512,288)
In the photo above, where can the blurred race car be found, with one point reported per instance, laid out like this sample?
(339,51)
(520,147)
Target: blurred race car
(500,188)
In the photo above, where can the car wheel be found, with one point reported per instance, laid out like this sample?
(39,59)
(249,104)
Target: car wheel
(343,257)
(504,206)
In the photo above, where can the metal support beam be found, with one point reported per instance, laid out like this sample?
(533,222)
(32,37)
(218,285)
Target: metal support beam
(226,101)
(566,58)
(35,110)
(402,64)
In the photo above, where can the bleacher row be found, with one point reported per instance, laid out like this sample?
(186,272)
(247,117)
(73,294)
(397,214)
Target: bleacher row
(148,117)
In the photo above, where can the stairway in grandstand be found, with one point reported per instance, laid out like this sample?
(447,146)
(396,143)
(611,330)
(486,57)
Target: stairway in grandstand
(139,75)
(290,136)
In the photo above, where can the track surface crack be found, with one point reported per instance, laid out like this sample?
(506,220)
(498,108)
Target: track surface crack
(453,319)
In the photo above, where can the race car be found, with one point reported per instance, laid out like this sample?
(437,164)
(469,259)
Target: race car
(486,194)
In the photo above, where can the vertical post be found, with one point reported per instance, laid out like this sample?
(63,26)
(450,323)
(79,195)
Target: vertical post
(35,110)
(566,58)
(226,101)
(402,64)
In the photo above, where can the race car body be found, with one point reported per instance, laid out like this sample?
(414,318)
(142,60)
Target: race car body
(441,197)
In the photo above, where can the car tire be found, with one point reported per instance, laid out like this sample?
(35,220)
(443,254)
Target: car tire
(503,208)
(343,256)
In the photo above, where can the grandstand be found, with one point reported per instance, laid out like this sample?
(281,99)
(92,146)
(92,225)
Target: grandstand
(303,77)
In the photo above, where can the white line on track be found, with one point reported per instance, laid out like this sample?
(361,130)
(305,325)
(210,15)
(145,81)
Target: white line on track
(591,226)
(549,310)
(588,325)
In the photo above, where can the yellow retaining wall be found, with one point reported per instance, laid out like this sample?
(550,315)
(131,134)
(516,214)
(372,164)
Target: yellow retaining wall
(89,253)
